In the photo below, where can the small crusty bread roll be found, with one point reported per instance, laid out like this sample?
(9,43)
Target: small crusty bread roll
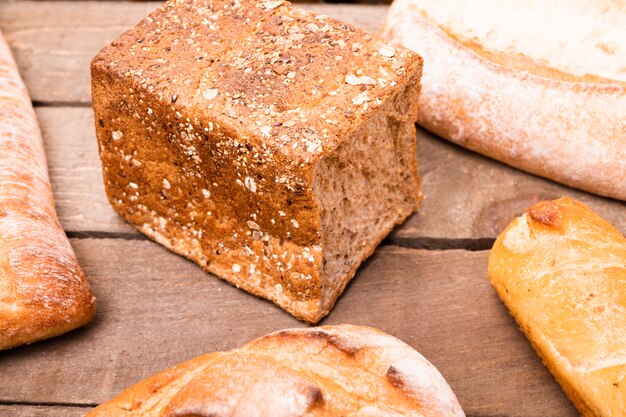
(561,271)
(537,84)
(43,292)
(325,371)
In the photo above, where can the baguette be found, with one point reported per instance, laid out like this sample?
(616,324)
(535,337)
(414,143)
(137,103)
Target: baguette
(539,85)
(43,292)
(329,371)
(249,150)
(561,271)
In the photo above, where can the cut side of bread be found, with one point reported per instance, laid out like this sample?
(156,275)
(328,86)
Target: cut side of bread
(539,85)
(43,292)
(329,371)
(276,155)
(561,271)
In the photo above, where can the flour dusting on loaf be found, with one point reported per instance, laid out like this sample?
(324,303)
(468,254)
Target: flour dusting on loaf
(538,106)
(43,292)
(326,371)
(242,134)
(557,32)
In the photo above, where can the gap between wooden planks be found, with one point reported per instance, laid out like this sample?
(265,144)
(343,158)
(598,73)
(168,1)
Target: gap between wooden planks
(461,326)
(31,410)
(469,198)
(155,310)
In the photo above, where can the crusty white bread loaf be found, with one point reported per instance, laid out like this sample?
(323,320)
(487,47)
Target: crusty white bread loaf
(43,292)
(537,84)
(561,271)
(328,371)
(242,135)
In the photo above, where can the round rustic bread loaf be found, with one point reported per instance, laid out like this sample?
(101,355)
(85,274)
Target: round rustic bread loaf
(324,371)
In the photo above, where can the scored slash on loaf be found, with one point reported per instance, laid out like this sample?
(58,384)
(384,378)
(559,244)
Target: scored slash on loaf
(272,146)
(330,371)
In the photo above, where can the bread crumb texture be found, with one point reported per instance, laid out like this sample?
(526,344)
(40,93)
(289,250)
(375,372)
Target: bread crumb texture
(241,135)
(325,371)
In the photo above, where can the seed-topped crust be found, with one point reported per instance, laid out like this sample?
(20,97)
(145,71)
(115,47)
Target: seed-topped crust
(285,79)
(214,118)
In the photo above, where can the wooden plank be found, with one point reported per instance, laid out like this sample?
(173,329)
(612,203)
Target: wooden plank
(54,42)
(155,310)
(76,173)
(42,411)
(469,198)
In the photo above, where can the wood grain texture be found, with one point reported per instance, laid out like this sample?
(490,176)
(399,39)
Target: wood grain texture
(76,172)
(156,310)
(469,198)
(19,410)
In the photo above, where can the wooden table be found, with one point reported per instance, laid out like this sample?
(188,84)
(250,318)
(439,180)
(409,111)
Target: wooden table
(426,284)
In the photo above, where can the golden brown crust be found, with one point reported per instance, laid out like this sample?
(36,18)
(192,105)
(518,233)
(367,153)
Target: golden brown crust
(546,213)
(561,271)
(223,144)
(43,292)
(517,110)
(326,371)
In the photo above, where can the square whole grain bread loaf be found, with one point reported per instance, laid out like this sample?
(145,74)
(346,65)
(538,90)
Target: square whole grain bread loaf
(272,146)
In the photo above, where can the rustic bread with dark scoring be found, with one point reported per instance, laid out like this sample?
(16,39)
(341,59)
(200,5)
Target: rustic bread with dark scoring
(327,371)
(272,146)
(561,271)
(537,84)
(43,292)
